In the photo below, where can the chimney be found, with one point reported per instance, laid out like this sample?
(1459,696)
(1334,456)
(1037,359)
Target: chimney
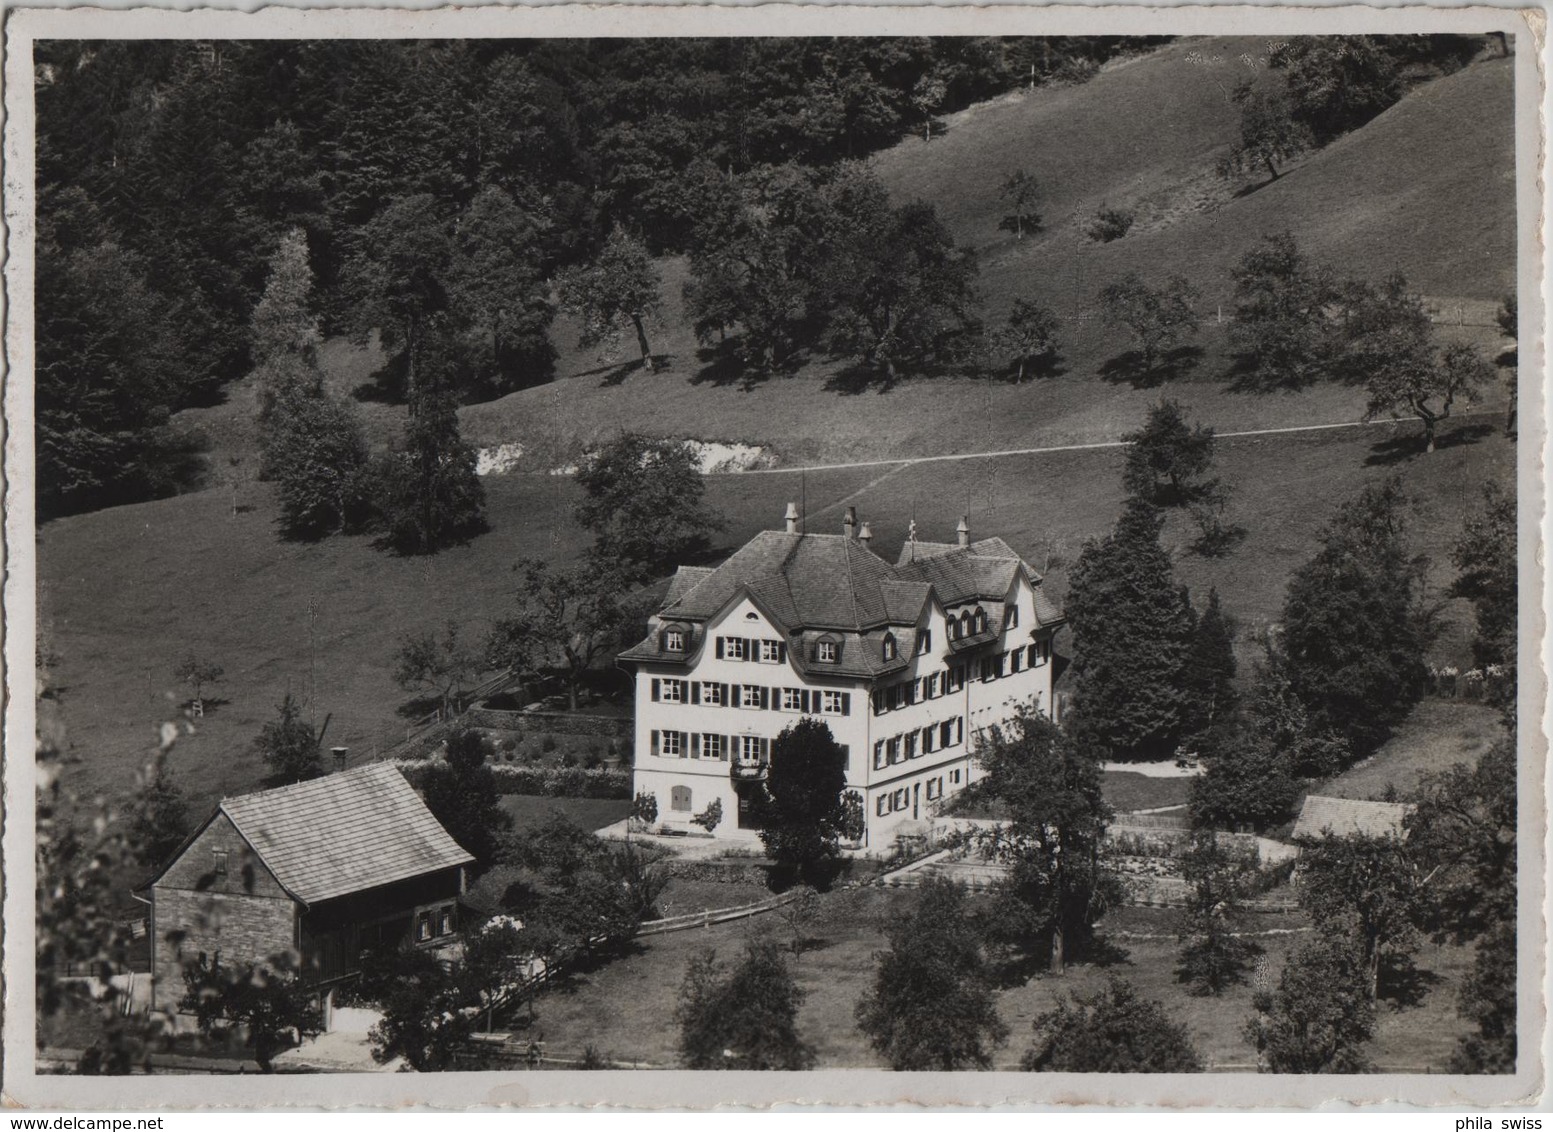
(964,531)
(792,518)
(339,754)
(849,524)
(865,535)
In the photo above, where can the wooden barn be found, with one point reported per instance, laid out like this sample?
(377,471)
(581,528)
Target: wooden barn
(326,868)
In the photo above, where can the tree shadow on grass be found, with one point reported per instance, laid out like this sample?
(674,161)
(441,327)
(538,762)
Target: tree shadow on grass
(1404,984)
(1399,449)
(616,374)
(1173,365)
(1043,367)
(723,365)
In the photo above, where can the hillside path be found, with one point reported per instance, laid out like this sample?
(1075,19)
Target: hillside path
(906,461)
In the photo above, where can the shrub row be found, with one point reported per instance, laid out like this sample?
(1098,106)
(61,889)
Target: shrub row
(545,781)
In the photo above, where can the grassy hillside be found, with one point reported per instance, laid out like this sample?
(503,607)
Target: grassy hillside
(124,593)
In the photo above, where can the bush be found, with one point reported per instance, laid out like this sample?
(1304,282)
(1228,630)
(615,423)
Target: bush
(1108,224)
(548,744)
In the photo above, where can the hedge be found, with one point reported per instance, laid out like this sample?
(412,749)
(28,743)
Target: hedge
(548,782)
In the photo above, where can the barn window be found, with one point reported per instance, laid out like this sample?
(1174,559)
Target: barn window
(219,866)
(445,922)
(679,798)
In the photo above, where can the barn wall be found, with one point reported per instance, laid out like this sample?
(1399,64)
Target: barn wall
(244,929)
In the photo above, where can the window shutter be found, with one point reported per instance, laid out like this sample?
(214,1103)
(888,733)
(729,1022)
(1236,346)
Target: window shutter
(765,748)
(846,703)
(657,686)
(695,745)
(737,696)
(719,648)
(655,744)
(959,729)
(782,653)
(726,695)
(695,692)
(846,758)
(765,699)
(804,700)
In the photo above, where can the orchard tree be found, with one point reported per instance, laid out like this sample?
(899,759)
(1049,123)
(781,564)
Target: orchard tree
(1130,701)
(643,502)
(197,672)
(746,1018)
(1158,317)
(430,496)
(931,1004)
(439,664)
(1058,883)
(900,292)
(1353,630)
(565,621)
(267,1003)
(1110,1031)
(1390,346)
(288,745)
(1484,557)
(1366,890)
(805,783)
(1269,134)
(427,1014)
(1168,460)
(1336,83)
(460,791)
(616,292)
(1213,956)
(1021,192)
(1283,327)
(1028,337)
(1321,1015)
(1487,999)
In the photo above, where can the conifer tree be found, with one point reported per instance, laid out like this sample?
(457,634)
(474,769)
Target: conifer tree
(430,495)
(1129,700)
(1210,668)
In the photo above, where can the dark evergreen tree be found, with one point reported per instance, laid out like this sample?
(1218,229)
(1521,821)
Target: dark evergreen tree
(461,794)
(1058,884)
(1111,1031)
(931,1005)
(746,1018)
(1245,784)
(1353,630)
(1130,701)
(805,783)
(1210,669)
(429,495)
(160,821)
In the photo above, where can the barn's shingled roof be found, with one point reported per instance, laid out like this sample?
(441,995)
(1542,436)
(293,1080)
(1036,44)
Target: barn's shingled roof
(1323,816)
(346,832)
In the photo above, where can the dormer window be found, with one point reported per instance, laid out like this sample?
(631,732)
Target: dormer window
(965,624)
(981,620)
(890,648)
(924,642)
(674,640)
(827,652)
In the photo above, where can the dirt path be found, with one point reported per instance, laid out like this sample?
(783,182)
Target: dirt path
(907,461)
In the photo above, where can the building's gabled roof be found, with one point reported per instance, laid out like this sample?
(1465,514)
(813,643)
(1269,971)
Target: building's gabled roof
(347,832)
(1323,816)
(685,579)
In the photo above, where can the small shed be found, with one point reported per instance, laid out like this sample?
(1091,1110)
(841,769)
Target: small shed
(1323,816)
(326,868)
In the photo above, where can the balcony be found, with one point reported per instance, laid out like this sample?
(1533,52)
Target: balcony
(748,770)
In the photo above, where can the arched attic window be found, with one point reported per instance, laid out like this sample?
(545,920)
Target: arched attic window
(891,649)
(981,620)
(967,627)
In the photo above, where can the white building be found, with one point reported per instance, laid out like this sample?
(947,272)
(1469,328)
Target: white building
(905,663)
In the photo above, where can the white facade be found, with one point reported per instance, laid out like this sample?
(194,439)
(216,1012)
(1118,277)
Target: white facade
(706,719)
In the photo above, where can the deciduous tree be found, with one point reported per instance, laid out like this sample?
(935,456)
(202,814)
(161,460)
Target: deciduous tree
(805,782)
(1320,1017)
(428,493)
(1028,337)
(1269,134)
(931,1005)
(268,1003)
(1484,557)
(1213,956)
(1110,1031)
(643,503)
(1353,627)
(1283,327)
(1058,884)
(288,745)
(746,1018)
(1021,191)
(440,664)
(1366,890)
(616,292)
(196,671)
(1158,317)
(1168,460)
